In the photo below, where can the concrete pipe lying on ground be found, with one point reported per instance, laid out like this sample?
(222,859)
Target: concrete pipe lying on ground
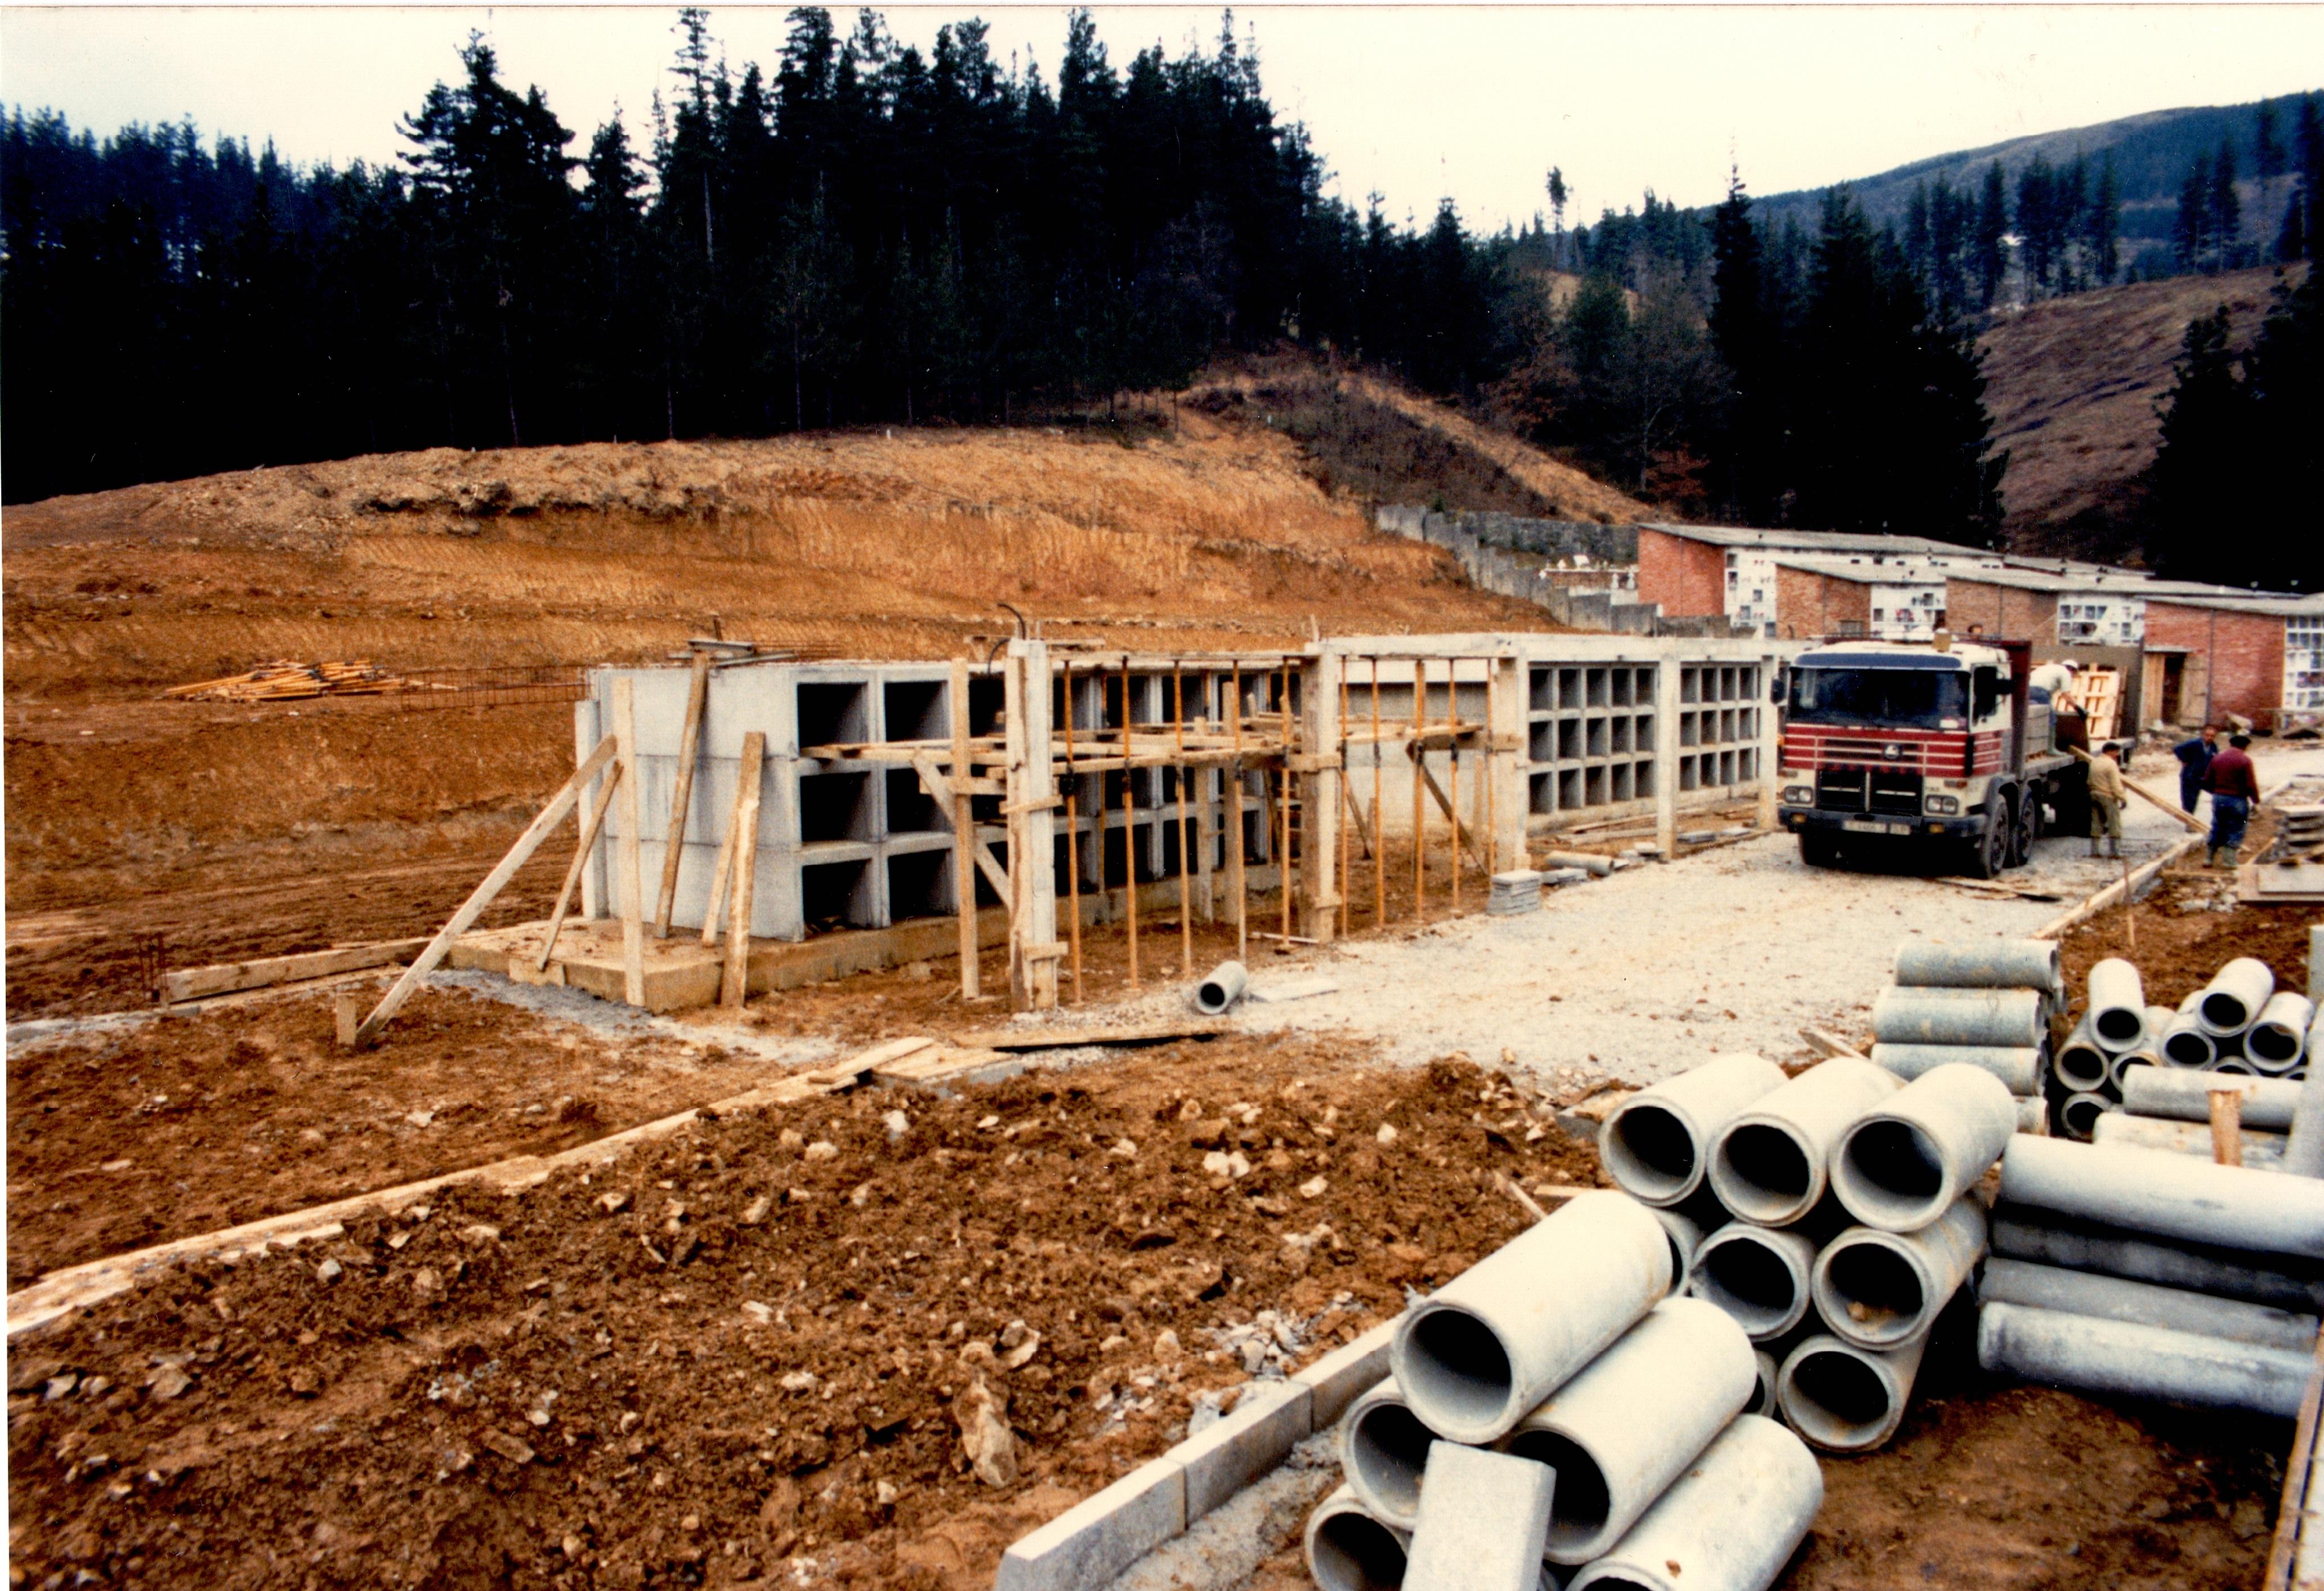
(2277,1040)
(2234,1066)
(1844,1399)
(2196,1267)
(1762,1389)
(2118,1128)
(1217,992)
(1383,1452)
(2082,1062)
(1656,1144)
(1493,1342)
(1483,1519)
(2234,997)
(2167,1195)
(1881,1289)
(1768,1164)
(1622,1429)
(2009,963)
(1590,861)
(2185,1041)
(2034,1115)
(2117,1015)
(2080,1113)
(1761,1276)
(2141,1303)
(1685,1236)
(1349,1548)
(2186,1096)
(2091,1355)
(2005,1019)
(2019,1069)
(2303,1156)
(2128,1062)
(1902,1163)
(1730,1523)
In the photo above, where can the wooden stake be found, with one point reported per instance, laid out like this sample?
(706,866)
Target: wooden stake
(1419,812)
(1377,838)
(741,897)
(1185,873)
(2226,1100)
(1283,869)
(2130,911)
(1492,781)
(541,827)
(1452,769)
(1347,801)
(630,886)
(1074,833)
(580,860)
(1234,825)
(1128,828)
(964,834)
(714,912)
(689,745)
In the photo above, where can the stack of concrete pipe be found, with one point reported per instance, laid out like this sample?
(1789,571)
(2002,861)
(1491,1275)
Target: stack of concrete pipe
(1831,1214)
(2239,1023)
(1565,1347)
(2134,1272)
(1978,1005)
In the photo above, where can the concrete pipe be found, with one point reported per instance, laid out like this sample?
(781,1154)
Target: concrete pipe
(2010,963)
(2033,1116)
(1768,1164)
(2090,1355)
(2186,1096)
(1761,1277)
(1217,993)
(2141,1304)
(1762,1391)
(2278,1040)
(1844,1399)
(2303,1156)
(2117,1016)
(1730,1523)
(2019,1069)
(2185,1042)
(1620,1431)
(2233,1066)
(2235,996)
(1686,1238)
(2128,1063)
(1901,1165)
(2082,1062)
(1657,1142)
(1590,861)
(2195,1267)
(2005,1019)
(1383,1452)
(2119,1128)
(2167,1195)
(1350,1549)
(1503,1335)
(1880,1289)
(2080,1113)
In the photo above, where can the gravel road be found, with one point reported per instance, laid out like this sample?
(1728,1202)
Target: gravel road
(1660,967)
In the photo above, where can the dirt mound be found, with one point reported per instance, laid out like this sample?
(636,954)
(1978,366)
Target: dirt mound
(2072,385)
(760,1339)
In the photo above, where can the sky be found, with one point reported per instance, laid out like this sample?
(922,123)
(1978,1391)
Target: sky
(1413,102)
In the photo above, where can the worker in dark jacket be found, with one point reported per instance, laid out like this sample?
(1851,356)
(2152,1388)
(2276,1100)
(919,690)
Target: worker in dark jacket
(2234,784)
(2194,761)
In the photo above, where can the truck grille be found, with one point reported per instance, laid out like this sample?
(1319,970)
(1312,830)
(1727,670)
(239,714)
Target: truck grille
(1867,789)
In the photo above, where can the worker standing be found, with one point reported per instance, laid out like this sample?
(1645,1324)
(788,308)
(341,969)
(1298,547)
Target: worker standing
(2234,784)
(2194,761)
(2106,799)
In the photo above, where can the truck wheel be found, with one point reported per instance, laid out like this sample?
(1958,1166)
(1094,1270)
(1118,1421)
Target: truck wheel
(2026,829)
(1988,854)
(1819,850)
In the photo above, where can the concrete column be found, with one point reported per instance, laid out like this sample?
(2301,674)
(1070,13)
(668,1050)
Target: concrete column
(1771,742)
(1667,753)
(1507,762)
(1319,795)
(1037,867)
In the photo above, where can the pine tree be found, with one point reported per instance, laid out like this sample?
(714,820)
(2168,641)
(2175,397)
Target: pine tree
(2309,140)
(1747,450)
(2267,143)
(2102,225)
(2190,229)
(2206,417)
(2227,209)
(1992,238)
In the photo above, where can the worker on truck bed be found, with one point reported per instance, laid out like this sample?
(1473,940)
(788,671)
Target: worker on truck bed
(2194,761)
(2234,786)
(2106,799)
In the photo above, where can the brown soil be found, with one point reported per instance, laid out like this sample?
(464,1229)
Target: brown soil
(185,1125)
(582,1398)
(2182,939)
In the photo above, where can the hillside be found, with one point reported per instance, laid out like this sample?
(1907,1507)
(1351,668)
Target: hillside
(2073,385)
(2151,153)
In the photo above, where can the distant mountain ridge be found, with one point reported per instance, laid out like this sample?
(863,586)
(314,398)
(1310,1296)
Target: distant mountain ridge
(2152,150)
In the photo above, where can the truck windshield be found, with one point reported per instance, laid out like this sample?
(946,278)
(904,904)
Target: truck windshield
(1915,698)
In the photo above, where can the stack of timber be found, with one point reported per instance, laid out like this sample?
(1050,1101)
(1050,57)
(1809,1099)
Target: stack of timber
(284,680)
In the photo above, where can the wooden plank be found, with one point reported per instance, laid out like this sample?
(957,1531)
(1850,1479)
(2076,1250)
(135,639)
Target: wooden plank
(1061,1038)
(580,861)
(541,827)
(741,891)
(689,745)
(628,887)
(2152,799)
(2298,1469)
(1828,1045)
(195,983)
(1459,831)
(713,910)
(964,832)
(847,1071)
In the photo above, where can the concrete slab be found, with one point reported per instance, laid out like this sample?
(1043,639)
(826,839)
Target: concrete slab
(1269,1421)
(1484,1519)
(1103,1534)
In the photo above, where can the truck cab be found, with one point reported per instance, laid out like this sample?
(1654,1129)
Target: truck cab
(1887,743)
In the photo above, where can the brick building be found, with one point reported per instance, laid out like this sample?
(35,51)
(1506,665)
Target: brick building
(1714,569)
(2261,658)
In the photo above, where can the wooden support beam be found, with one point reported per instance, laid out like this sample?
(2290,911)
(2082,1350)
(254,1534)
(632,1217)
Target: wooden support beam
(1461,835)
(540,828)
(736,982)
(714,911)
(689,747)
(580,861)
(628,887)
(197,983)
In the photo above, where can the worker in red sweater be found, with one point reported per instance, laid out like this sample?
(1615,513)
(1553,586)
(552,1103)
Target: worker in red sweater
(2234,784)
